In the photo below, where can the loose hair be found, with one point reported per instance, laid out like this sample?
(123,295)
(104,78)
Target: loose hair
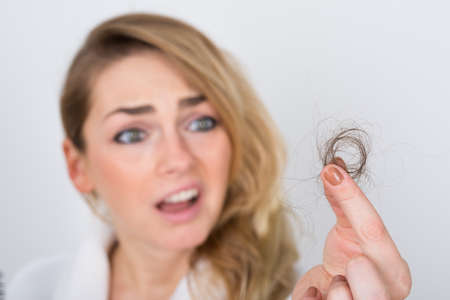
(251,248)
(350,142)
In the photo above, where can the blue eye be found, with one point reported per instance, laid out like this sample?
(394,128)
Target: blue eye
(129,136)
(203,124)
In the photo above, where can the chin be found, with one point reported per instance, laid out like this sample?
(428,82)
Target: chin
(186,239)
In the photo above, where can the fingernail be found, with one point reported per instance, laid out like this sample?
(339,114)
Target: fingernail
(311,292)
(333,176)
(340,162)
(338,278)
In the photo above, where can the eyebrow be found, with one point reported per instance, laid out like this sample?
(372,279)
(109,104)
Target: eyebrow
(142,109)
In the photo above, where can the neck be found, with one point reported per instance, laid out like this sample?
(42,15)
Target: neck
(141,271)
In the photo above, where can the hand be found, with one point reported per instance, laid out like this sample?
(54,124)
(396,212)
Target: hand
(358,247)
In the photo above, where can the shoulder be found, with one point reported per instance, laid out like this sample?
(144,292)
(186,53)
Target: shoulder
(38,279)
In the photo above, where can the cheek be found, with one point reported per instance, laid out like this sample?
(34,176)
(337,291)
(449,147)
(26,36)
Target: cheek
(118,179)
(214,153)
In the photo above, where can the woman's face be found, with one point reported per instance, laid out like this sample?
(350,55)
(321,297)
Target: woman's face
(157,153)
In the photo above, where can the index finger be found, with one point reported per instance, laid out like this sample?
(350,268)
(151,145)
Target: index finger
(357,211)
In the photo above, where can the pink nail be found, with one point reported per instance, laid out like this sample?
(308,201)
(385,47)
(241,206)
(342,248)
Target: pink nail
(333,176)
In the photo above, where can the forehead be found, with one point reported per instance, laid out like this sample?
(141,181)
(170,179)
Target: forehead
(142,77)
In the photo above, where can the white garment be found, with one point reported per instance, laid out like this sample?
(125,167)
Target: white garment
(84,275)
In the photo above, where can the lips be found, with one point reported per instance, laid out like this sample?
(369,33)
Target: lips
(180,199)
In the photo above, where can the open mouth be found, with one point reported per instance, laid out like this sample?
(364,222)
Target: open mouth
(181,206)
(175,207)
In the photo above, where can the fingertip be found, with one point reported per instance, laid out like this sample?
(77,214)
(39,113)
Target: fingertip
(312,293)
(339,278)
(332,174)
(340,162)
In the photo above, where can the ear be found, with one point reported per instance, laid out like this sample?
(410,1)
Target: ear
(77,167)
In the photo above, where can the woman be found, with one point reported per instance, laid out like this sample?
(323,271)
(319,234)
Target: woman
(167,137)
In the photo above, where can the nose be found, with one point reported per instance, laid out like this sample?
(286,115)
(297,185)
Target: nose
(175,155)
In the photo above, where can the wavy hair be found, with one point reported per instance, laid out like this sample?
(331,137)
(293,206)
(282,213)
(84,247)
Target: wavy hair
(251,248)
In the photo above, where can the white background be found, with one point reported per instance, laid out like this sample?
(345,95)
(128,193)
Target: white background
(384,64)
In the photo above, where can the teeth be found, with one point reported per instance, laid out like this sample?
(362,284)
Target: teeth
(182,196)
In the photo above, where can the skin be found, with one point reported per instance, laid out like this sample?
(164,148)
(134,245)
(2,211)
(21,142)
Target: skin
(358,247)
(167,153)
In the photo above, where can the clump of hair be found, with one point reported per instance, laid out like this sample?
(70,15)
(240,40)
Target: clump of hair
(347,147)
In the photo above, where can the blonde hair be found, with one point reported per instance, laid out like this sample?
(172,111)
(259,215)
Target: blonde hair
(251,249)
